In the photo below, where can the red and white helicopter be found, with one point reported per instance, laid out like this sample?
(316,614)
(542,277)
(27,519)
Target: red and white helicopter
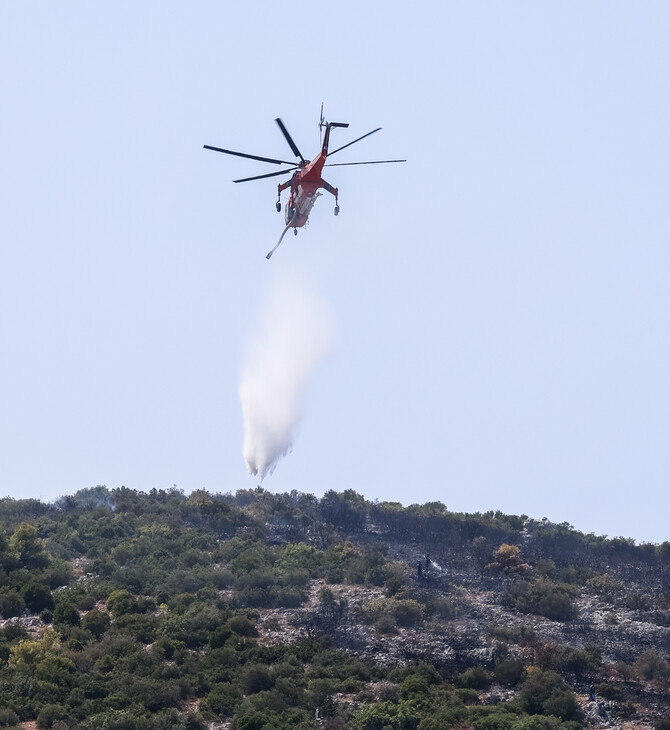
(306,180)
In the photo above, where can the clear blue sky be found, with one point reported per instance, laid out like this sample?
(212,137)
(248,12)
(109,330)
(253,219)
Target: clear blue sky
(501,301)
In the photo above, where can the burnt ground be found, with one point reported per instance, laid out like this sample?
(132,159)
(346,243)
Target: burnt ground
(467,636)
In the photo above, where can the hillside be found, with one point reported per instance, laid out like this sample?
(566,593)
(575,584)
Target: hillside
(123,609)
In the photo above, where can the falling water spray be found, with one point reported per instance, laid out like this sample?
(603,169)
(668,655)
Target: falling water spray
(292,336)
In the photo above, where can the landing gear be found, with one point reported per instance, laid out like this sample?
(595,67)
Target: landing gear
(332,191)
(295,231)
(278,206)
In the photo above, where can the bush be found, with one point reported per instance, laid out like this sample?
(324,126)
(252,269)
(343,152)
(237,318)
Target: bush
(651,666)
(11,604)
(8,718)
(414,685)
(121,602)
(243,626)
(604,585)
(220,635)
(394,584)
(474,678)
(440,608)
(546,693)
(96,622)
(407,612)
(507,560)
(509,672)
(404,612)
(610,692)
(49,714)
(467,696)
(565,659)
(542,597)
(37,597)
(256,678)
(221,701)
(562,703)
(66,613)
(59,573)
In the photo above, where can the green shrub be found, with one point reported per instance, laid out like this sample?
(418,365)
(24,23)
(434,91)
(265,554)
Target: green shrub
(221,701)
(562,703)
(121,602)
(256,678)
(8,718)
(546,693)
(650,666)
(37,597)
(474,678)
(414,686)
(405,612)
(467,696)
(543,597)
(243,626)
(66,613)
(11,604)
(96,622)
(509,672)
(49,714)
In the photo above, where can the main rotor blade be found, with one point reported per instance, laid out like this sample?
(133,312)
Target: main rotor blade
(250,157)
(373,162)
(354,142)
(269,174)
(291,143)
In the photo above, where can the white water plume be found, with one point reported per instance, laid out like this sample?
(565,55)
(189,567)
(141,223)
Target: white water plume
(293,334)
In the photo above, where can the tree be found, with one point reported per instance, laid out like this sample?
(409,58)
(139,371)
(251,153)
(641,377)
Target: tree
(11,603)
(28,652)
(49,714)
(96,622)
(121,602)
(8,718)
(506,560)
(37,597)
(546,693)
(66,613)
(256,678)
(27,545)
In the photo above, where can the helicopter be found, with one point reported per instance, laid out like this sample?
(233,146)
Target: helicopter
(306,180)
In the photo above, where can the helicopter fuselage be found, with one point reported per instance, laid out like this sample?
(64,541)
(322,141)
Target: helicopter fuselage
(305,185)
